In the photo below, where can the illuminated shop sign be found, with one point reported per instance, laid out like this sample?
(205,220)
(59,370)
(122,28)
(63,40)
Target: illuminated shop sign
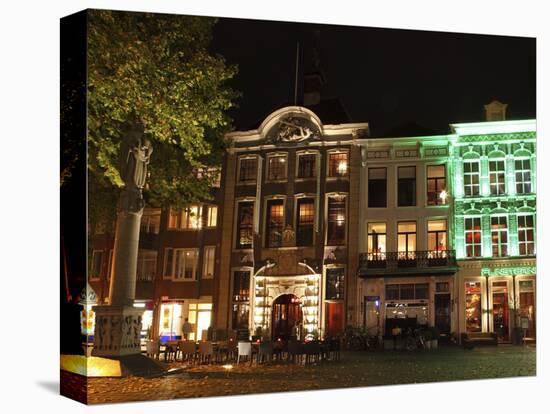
(509,271)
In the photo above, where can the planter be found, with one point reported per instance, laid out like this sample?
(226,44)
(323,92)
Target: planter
(428,344)
(434,343)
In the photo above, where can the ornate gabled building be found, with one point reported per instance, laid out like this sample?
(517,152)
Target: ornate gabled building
(288,261)
(494,208)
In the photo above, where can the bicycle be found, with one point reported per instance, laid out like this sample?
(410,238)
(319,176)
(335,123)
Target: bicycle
(414,340)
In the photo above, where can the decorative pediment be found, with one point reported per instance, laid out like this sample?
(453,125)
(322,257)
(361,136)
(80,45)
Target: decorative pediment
(293,129)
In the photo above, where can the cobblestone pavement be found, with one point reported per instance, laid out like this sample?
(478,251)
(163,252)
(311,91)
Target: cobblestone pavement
(353,370)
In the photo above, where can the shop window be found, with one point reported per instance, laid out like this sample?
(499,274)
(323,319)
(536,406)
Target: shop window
(146,265)
(406,186)
(376,240)
(406,239)
(497,177)
(377,187)
(306,165)
(437,236)
(245,222)
(200,317)
(211,216)
(274,221)
(276,167)
(473,306)
(170,321)
(472,233)
(97,263)
(499,236)
(334,283)
(336,228)
(338,164)
(208,262)
(247,169)
(187,219)
(436,183)
(471,178)
(241,313)
(150,221)
(407,291)
(305,219)
(523,176)
(421,291)
(526,235)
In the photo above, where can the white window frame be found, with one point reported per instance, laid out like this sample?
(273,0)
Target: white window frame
(184,218)
(496,174)
(525,229)
(239,161)
(522,171)
(211,216)
(473,244)
(208,260)
(500,231)
(172,274)
(142,259)
(346,219)
(268,167)
(471,174)
(297,169)
(335,152)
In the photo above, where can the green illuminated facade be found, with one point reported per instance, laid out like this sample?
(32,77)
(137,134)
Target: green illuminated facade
(493,197)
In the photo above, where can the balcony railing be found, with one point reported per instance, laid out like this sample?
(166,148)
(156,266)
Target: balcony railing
(429,261)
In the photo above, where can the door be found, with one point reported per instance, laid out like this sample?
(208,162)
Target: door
(286,317)
(500,316)
(443,313)
(334,318)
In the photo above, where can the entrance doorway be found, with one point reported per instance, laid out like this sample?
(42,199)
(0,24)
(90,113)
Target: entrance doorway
(286,317)
(443,313)
(334,318)
(501,322)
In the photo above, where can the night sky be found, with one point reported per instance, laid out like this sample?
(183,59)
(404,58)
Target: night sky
(397,80)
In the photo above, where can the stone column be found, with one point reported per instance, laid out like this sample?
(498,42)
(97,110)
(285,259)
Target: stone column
(118,324)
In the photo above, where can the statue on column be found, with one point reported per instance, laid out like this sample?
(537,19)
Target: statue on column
(133,169)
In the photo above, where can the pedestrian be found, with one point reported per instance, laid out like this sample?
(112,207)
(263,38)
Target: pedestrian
(187,328)
(396,331)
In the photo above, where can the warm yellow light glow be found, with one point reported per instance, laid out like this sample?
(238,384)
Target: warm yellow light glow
(227,367)
(91,366)
(342,167)
(443,196)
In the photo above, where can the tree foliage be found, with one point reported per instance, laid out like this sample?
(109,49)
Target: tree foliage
(156,70)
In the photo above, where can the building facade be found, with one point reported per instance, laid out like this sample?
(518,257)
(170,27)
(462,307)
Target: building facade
(314,227)
(288,264)
(494,209)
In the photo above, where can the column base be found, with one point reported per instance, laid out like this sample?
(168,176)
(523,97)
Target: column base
(117,331)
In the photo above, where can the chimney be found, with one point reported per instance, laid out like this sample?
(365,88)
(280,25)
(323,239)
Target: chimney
(495,111)
(313,82)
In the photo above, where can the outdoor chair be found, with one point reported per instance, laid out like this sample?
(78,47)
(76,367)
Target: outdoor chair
(188,350)
(170,350)
(279,347)
(295,351)
(312,351)
(232,350)
(206,351)
(334,349)
(265,351)
(152,349)
(222,350)
(244,349)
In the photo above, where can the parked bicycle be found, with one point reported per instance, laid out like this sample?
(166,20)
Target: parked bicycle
(414,339)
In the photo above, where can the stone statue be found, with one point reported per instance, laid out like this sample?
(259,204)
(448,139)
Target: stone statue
(136,151)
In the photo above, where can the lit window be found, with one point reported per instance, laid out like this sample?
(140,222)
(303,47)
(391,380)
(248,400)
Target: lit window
(334,283)
(523,176)
(338,164)
(305,219)
(247,169)
(245,218)
(472,233)
(336,229)
(276,167)
(473,306)
(181,264)
(306,165)
(526,235)
(436,183)
(376,240)
(208,262)
(274,223)
(499,236)
(187,219)
(212,216)
(241,296)
(406,240)
(497,177)
(437,235)
(471,178)
(406,186)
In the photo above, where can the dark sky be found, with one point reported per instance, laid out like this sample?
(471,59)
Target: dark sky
(385,77)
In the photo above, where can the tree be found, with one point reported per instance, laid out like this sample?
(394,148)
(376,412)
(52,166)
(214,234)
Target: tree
(156,70)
